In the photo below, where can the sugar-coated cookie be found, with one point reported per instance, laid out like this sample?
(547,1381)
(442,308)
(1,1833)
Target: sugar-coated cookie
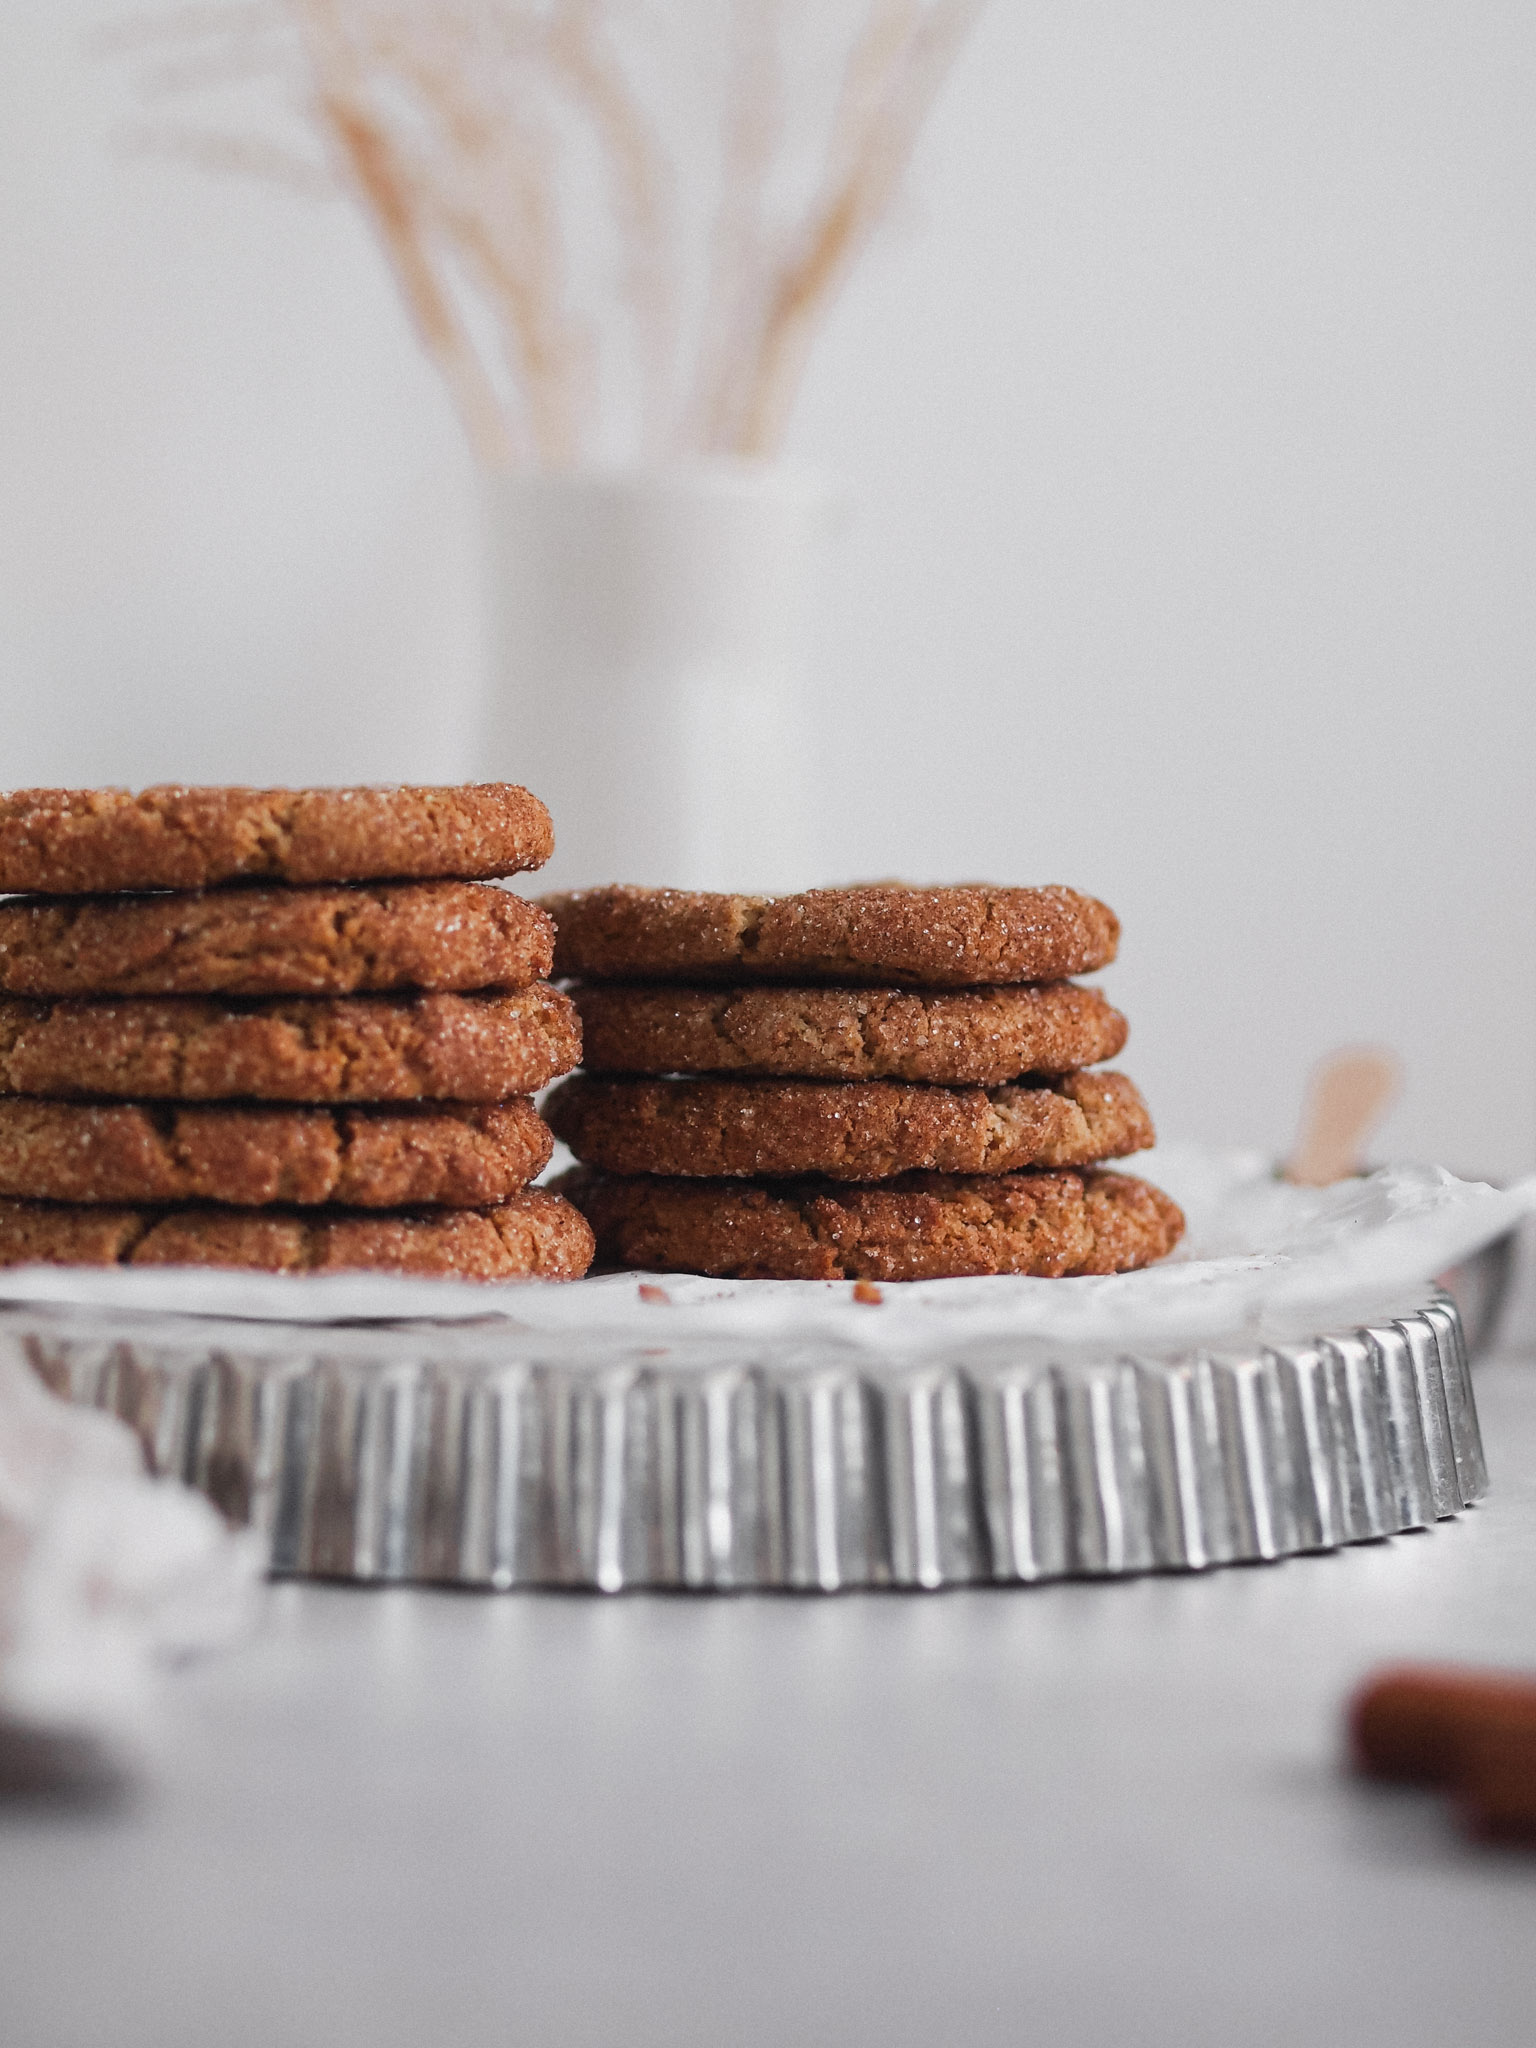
(87,841)
(966,936)
(925,1226)
(961,1037)
(440,1048)
(531,1235)
(275,941)
(366,1158)
(849,1130)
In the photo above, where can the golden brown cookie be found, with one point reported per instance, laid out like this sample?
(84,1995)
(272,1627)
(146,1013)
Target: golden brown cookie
(531,1235)
(275,942)
(80,842)
(848,1130)
(924,1226)
(368,1159)
(436,1048)
(966,1037)
(963,937)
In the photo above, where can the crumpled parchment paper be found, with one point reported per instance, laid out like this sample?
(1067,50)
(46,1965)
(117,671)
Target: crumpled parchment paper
(1259,1258)
(104,1572)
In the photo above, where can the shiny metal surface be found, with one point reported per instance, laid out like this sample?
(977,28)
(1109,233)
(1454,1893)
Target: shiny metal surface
(1481,1286)
(483,1458)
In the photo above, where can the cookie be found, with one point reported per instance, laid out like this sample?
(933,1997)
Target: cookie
(531,1235)
(275,942)
(924,1226)
(848,1130)
(971,1037)
(963,937)
(80,842)
(437,1048)
(369,1159)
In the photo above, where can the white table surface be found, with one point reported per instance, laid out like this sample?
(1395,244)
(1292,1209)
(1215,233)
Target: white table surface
(1075,1813)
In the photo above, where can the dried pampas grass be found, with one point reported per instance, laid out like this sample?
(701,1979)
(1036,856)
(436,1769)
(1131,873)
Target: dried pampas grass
(617,226)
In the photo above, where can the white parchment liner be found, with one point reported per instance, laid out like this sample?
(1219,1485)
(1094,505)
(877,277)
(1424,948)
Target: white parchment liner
(1260,1259)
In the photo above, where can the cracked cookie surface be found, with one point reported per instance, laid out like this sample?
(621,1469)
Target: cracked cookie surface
(384,1159)
(924,1226)
(961,937)
(275,941)
(532,1235)
(980,1037)
(439,1048)
(88,841)
(845,1129)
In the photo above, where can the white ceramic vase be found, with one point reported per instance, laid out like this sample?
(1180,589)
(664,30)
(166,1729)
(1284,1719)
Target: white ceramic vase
(651,670)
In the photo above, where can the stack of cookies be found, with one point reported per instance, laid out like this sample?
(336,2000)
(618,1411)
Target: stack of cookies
(870,1083)
(282,1030)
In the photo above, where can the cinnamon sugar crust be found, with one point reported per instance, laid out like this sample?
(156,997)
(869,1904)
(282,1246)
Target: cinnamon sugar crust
(275,941)
(87,841)
(532,1235)
(924,1226)
(391,1158)
(971,1037)
(440,1048)
(971,935)
(846,1130)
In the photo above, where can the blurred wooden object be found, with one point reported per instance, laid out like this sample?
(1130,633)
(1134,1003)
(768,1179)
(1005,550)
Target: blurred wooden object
(1347,1095)
(1473,1732)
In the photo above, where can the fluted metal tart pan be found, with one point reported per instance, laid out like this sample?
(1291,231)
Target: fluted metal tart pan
(484,1456)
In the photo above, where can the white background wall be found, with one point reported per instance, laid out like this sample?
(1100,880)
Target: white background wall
(1188,405)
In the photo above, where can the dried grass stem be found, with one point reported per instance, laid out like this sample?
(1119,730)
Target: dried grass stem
(454,122)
